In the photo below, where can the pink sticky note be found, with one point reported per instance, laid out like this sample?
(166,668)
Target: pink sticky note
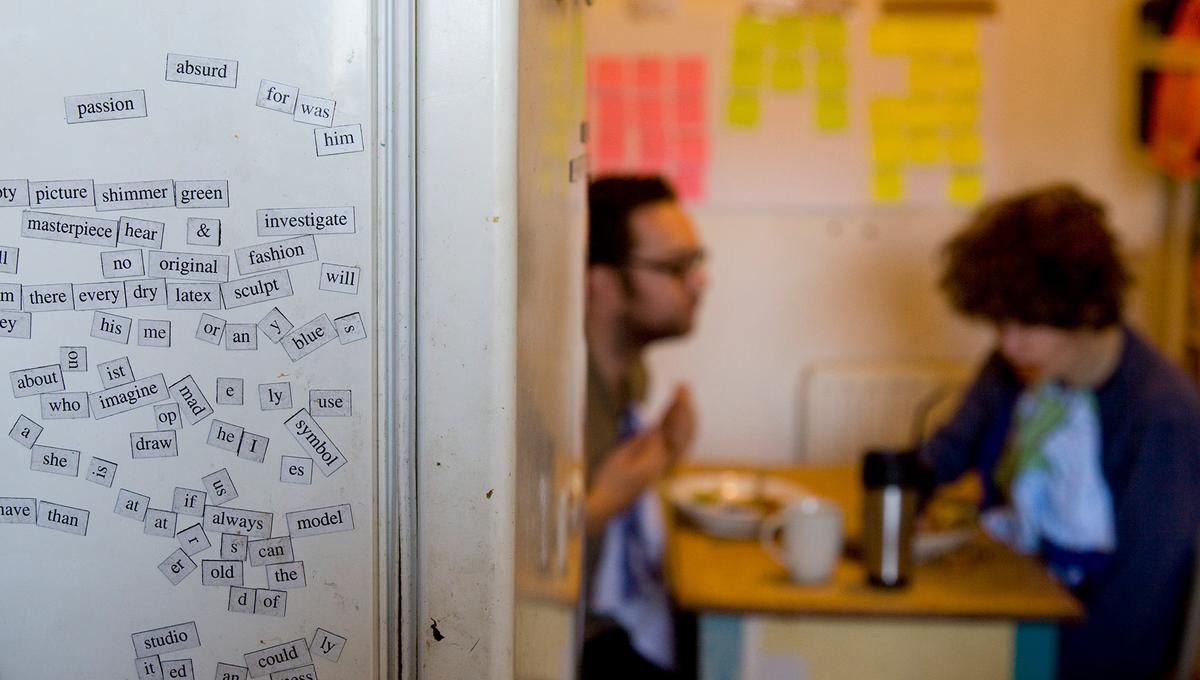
(610,111)
(693,149)
(691,182)
(608,127)
(648,72)
(649,111)
(610,150)
(690,74)
(689,108)
(609,73)
(653,149)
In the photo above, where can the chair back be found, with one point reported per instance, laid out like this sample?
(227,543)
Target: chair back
(849,407)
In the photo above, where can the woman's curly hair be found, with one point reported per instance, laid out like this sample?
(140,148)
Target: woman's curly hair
(1046,257)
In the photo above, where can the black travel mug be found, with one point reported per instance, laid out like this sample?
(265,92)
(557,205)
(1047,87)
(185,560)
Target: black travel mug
(891,486)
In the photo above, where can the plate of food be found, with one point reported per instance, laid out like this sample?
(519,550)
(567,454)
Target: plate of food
(947,525)
(730,504)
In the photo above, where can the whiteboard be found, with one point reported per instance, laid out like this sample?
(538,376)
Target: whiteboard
(134,129)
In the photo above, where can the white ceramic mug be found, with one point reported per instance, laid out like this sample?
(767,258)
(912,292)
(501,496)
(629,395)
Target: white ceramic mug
(812,538)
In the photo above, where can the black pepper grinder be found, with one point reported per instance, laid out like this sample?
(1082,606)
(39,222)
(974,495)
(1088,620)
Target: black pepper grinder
(891,487)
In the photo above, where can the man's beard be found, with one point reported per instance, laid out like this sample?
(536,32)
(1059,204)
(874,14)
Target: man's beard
(639,333)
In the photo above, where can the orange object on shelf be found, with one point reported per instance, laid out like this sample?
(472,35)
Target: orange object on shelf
(1174,122)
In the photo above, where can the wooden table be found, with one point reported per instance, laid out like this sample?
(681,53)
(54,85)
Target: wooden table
(977,596)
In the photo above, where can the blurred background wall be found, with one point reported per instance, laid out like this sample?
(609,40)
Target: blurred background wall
(798,280)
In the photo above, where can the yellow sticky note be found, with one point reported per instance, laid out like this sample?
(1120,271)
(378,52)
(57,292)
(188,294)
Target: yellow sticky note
(833,113)
(966,188)
(787,72)
(959,37)
(965,149)
(889,149)
(932,111)
(746,69)
(751,33)
(960,113)
(924,113)
(928,76)
(926,148)
(828,32)
(887,113)
(888,37)
(924,37)
(964,76)
(743,109)
(833,73)
(790,32)
(887,185)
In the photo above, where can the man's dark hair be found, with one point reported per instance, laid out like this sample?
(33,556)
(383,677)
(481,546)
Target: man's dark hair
(610,202)
(1046,257)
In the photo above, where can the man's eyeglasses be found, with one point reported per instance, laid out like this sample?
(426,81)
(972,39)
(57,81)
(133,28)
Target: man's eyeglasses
(676,267)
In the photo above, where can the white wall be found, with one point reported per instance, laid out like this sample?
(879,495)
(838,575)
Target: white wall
(789,287)
(466,108)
